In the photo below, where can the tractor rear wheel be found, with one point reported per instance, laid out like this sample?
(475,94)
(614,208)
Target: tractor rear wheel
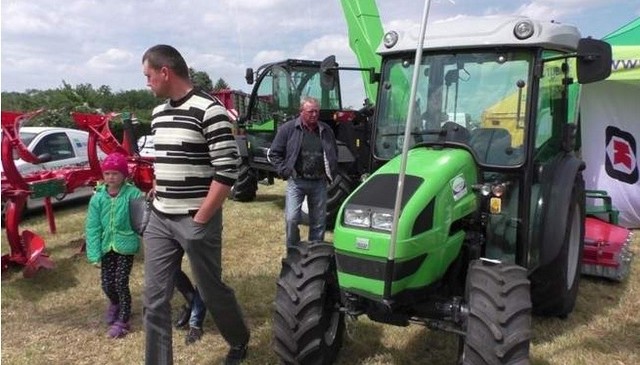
(555,285)
(244,190)
(498,327)
(308,325)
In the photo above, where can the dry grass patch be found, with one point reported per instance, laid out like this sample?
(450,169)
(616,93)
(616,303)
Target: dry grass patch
(56,317)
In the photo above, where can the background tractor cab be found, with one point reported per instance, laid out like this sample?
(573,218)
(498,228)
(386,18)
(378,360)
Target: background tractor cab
(275,99)
(489,226)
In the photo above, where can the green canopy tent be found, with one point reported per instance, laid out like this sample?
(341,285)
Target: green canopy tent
(610,114)
(625,44)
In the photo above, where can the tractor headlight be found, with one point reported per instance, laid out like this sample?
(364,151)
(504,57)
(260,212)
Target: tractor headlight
(357,217)
(382,221)
(367,217)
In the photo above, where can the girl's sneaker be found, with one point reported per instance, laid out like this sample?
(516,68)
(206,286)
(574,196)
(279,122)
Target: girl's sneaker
(111,314)
(118,329)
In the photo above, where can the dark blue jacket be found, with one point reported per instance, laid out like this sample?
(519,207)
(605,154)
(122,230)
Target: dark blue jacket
(286,147)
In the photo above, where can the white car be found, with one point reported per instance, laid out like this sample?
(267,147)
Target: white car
(65,146)
(145,146)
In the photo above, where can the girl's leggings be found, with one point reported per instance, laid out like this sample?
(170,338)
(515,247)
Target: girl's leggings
(116,269)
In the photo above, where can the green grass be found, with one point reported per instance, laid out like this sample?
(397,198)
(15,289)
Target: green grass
(56,317)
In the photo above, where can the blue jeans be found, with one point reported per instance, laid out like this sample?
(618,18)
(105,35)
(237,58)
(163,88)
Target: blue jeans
(316,193)
(198,311)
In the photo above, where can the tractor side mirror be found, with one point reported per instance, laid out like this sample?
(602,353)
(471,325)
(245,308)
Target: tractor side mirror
(248,75)
(45,157)
(328,73)
(451,77)
(593,61)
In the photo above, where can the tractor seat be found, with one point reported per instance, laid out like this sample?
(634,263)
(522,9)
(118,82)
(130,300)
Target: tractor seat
(492,145)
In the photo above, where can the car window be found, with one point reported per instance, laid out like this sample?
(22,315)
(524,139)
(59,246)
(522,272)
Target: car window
(55,144)
(27,137)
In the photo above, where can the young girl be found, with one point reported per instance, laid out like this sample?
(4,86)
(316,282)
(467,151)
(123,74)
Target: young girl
(112,242)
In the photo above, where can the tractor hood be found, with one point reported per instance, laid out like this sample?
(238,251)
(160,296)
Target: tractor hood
(437,195)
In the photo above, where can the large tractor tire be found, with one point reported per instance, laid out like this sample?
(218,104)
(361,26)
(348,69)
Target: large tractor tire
(554,286)
(308,325)
(337,192)
(498,327)
(245,188)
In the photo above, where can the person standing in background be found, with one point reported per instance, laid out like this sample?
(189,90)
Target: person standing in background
(193,313)
(304,152)
(196,164)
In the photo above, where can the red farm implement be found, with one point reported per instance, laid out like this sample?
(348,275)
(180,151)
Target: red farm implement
(28,248)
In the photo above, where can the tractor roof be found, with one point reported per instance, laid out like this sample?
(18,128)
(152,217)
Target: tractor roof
(485,32)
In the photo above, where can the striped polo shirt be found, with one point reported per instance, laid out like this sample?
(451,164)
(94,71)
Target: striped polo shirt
(194,145)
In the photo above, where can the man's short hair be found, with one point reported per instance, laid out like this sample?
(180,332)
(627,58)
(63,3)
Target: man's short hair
(162,55)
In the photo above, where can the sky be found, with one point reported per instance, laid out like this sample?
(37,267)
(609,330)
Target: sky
(98,42)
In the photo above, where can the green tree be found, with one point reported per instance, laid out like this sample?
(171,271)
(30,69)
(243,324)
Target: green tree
(220,85)
(200,79)
(61,102)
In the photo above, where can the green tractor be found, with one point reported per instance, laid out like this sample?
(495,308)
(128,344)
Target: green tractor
(463,226)
(274,99)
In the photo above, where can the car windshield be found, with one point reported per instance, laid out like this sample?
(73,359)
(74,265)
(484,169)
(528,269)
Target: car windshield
(478,99)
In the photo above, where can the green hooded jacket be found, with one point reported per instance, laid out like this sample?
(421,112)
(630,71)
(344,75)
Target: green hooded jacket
(108,226)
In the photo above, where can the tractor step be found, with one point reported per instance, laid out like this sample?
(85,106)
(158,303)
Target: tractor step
(606,250)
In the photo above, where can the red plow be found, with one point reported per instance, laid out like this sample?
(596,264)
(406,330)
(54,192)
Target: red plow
(28,248)
(607,251)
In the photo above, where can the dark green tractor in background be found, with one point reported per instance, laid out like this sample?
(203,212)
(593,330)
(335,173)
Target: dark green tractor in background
(275,99)
(489,227)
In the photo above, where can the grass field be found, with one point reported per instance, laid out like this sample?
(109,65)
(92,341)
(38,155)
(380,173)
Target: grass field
(56,317)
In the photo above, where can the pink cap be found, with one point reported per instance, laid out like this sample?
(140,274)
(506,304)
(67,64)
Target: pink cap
(116,162)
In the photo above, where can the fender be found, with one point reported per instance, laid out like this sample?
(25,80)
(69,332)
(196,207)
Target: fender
(344,154)
(560,176)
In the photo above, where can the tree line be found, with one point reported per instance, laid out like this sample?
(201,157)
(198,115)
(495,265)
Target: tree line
(59,103)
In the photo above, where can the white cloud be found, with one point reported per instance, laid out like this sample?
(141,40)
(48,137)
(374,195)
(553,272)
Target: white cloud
(113,58)
(539,11)
(79,40)
(266,56)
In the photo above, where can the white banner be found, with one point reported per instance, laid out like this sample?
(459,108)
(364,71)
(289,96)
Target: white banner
(610,114)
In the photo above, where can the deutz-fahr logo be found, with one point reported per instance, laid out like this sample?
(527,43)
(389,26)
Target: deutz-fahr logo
(621,161)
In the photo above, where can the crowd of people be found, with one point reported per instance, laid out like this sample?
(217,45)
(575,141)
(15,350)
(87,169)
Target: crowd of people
(196,164)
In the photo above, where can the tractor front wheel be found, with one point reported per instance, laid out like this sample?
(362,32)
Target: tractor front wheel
(308,325)
(498,326)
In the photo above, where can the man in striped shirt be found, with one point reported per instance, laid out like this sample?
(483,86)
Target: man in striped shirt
(195,166)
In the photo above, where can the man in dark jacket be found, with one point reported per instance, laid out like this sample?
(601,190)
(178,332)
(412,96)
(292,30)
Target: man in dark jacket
(304,153)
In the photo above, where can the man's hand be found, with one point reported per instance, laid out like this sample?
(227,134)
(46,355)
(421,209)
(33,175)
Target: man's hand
(151,194)
(217,195)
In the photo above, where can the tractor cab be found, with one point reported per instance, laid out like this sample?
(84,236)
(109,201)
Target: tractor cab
(512,106)
(278,89)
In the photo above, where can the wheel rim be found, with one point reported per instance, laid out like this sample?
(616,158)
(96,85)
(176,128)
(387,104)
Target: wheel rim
(332,307)
(574,247)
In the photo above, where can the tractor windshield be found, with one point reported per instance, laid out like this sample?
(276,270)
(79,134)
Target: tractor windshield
(282,87)
(477,99)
